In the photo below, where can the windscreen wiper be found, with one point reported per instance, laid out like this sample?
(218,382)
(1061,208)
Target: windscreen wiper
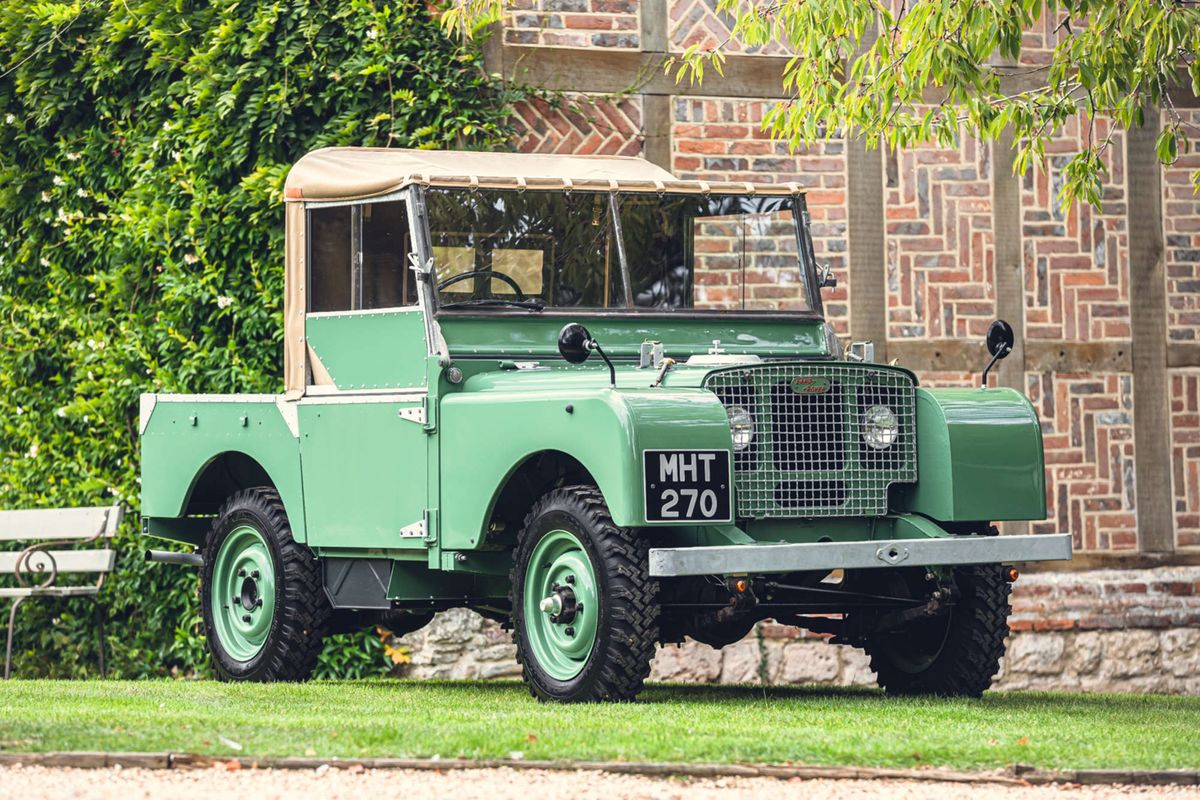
(533,304)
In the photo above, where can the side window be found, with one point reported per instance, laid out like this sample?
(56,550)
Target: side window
(330,258)
(359,257)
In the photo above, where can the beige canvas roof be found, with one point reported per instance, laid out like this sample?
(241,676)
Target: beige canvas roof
(355,173)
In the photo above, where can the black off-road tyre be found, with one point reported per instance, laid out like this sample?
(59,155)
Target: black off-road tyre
(627,627)
(973,644)
(301,609)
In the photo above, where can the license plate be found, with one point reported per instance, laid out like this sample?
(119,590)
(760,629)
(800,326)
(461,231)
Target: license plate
(687,486)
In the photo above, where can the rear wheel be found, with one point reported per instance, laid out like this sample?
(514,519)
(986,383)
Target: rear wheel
(265,613)
(585,613)
(955,654)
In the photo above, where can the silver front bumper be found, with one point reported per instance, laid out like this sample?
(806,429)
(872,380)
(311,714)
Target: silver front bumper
(765,558)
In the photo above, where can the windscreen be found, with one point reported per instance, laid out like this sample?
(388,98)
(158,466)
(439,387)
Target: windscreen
(620,252)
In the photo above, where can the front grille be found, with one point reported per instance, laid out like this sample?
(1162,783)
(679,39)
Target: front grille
(808,457)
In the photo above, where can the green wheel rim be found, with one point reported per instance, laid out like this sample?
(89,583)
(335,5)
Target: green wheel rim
(561,646)
(243,593)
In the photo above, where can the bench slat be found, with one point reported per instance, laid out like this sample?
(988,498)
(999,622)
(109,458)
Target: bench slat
(67,561)
(58,523)
(55,591)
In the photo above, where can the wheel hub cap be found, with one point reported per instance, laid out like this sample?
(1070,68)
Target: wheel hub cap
(561,604)
(243,593)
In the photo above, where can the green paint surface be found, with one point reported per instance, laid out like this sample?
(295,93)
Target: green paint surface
(364,474)
(669,723)
(682,334)
(561,648)
(370,349)
(979,456)
(502,418)
(243,592)
(183,438)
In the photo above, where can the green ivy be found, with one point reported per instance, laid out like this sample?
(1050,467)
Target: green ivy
(143,148)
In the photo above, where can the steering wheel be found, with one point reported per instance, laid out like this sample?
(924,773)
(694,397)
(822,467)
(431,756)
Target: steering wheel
(491,273)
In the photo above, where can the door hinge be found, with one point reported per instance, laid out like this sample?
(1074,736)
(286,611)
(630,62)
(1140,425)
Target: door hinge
(414,413)
(414,531)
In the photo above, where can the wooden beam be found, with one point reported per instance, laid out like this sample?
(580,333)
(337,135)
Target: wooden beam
(1148,309)
(611,71)
(1006,236)
(656,130)
(1183,354)
(865,246)
(601,70)
(1079,356)
(653,16)
(657,111)
(965,355)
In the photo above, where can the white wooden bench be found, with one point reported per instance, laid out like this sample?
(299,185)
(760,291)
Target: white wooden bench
(33,571)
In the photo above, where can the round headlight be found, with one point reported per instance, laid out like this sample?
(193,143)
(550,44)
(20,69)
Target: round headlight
(880,427)
(741,427)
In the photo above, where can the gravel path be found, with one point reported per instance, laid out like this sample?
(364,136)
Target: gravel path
(31,783)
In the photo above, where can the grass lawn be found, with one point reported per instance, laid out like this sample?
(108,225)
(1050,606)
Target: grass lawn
(670,723)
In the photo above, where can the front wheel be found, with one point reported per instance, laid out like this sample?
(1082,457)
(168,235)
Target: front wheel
(954,655)
(265,612)
(585,610)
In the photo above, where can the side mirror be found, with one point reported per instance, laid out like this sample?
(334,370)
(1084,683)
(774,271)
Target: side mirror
(574,343)
(1000,341)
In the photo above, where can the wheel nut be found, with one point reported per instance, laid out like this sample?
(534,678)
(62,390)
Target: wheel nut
(241,573)
(570,631)
(571,579)
(245,618)
(255,575)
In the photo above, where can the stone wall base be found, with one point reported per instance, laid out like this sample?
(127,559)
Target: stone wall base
(1102,631)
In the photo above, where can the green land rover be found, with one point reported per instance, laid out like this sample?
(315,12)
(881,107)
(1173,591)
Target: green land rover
(601,406)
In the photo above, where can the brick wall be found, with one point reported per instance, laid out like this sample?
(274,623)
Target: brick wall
(580,124)
(941,270)
(1181,232)
(721,139)
(573,23)
(940,255)
(1185,451)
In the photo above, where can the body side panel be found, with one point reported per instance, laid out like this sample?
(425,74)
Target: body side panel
(186,433)
(382,349)
(364,472)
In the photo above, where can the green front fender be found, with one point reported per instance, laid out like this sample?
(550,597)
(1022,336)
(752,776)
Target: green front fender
(486,436)
(979,457)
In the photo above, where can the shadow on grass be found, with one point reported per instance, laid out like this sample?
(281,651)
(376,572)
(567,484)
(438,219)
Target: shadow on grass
(750,694)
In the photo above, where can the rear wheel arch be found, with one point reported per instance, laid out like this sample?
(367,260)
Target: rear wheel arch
(231,471)
(222,476)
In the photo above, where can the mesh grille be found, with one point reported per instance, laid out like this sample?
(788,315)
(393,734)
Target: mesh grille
(808,457)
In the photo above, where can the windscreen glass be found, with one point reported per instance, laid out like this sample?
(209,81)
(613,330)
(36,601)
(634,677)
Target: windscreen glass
(602,251)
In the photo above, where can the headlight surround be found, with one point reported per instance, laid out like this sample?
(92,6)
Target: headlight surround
(741,428)
(880,427)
